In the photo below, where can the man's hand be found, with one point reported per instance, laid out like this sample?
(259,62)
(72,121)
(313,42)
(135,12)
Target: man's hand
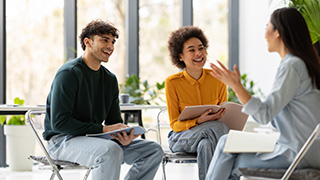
(114,127)
(208,116)
(124,138)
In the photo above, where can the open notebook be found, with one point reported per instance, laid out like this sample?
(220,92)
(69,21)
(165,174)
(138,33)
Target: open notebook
(233,116)
(107,135)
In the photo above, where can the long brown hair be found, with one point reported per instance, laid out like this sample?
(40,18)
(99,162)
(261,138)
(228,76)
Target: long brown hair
(295,35)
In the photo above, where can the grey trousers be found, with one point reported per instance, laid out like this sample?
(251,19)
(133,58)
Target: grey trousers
(201,139)
(106,156)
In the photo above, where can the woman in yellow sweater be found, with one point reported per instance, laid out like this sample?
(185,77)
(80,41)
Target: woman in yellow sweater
(193,86)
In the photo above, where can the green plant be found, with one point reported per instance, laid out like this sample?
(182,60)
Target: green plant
(248,85)
(310,10)
(142,92)
(16,119)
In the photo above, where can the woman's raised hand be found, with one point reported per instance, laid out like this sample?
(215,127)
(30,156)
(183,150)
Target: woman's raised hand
(231,78)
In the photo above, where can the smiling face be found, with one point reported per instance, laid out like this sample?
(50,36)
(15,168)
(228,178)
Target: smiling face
(194,54)
(101,47)
(272,36)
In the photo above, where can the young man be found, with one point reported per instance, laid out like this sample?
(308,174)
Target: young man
(84,94)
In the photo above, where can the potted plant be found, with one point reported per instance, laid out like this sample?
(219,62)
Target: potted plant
(20,140)
(248,85)
(142,92)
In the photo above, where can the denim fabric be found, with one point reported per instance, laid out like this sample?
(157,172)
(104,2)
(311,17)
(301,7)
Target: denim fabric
(224,166)
(201,139)
(106,156)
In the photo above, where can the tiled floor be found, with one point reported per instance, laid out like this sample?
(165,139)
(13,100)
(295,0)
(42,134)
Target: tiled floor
(174,172)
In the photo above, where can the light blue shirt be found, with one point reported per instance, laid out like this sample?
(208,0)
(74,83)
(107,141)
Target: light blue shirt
(292,107)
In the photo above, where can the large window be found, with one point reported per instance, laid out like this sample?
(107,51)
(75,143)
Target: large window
(108,10)
(157,20)
(212,17)
(34,48)
(35,42)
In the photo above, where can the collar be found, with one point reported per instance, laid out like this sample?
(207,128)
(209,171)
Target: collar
(193,81)
(88,69)
(287,56)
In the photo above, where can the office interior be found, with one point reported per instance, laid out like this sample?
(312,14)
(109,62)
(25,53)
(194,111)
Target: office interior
(37,37)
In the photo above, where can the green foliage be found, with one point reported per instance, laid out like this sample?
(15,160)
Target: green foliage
(248,85)
(16,119)
(2,119)
(18,101)
(310,10)
(142,92)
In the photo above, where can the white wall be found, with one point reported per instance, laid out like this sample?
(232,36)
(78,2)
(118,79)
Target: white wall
(254,58)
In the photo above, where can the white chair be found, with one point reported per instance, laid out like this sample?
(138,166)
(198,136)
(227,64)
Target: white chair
(170,157)
(36,121)
(285,174)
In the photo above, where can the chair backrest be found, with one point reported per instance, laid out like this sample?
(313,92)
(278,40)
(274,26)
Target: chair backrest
(314,135)
(36,121)
(162,123)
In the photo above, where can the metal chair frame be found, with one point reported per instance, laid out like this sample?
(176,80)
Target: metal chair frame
(315,135)
(170,157)
(54,165)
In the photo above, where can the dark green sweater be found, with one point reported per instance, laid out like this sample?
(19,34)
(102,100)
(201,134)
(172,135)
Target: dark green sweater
(80,99)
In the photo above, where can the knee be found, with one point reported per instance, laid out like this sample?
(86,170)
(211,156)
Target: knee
(222,142)
(223,139)
(204,143)
(110,152)
(114,150)
(157,150)
(223,127)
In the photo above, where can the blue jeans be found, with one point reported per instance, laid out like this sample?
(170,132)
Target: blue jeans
(106,156)
(201,139)
(225,165)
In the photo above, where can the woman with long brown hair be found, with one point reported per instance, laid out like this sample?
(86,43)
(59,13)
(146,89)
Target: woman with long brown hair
(292,106)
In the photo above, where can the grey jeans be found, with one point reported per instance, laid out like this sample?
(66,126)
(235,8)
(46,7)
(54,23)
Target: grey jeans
(201,139)
(106,156)
(225,165)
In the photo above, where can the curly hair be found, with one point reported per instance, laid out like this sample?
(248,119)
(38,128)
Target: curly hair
(97,27)
(179,37)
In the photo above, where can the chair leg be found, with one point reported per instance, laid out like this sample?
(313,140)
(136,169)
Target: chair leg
(59,176)
(87,174)
(163,172)
(56,172)
(164,169)
(52,175)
